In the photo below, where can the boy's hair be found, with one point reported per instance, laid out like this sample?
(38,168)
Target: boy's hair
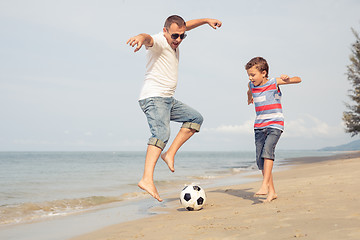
(174,19)
(259,63)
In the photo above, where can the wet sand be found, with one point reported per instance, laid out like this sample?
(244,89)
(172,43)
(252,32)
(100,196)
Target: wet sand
(317,199)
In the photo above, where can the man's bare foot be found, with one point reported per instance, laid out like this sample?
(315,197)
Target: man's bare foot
(150,188)
(271,196)
(169,161)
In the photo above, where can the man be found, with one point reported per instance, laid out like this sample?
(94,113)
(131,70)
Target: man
(156,97)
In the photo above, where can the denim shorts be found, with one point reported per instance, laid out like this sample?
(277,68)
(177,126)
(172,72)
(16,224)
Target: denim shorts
(160,111)
(265,142)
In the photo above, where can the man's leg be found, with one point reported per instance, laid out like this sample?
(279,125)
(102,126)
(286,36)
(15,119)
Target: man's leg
(191,120)
(169,156)
(157,111)
(147,181)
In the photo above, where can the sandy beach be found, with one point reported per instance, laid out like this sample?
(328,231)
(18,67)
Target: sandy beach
(317,199)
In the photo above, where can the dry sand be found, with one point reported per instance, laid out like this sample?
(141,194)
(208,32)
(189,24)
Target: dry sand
(318,198)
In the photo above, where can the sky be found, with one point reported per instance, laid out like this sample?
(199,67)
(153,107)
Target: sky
(69,82)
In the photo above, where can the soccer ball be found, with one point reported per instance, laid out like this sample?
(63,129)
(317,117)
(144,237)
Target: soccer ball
(193,197)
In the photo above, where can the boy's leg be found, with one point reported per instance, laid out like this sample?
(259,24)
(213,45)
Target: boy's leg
(267,180)
(264,189)
(266,141)
(169,156)
(260,137)
(268,183)
(191,120)
(147,181)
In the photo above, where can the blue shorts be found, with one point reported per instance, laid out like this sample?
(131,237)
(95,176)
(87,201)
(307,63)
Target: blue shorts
(160,111)
(265,142)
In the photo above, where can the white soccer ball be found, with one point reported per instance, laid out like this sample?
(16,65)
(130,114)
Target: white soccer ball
(193,197)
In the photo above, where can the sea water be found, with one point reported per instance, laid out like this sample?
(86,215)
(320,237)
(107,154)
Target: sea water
(44,187)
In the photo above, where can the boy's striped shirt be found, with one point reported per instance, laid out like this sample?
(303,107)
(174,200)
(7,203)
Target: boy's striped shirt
(267,100)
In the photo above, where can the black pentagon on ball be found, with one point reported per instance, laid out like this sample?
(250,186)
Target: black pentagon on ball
(196,188)
(190,209)
(200,201)
(187,197)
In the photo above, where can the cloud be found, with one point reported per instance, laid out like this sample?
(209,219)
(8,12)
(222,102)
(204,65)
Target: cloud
(306,126)
(309,126)
(245,128)
(88,133)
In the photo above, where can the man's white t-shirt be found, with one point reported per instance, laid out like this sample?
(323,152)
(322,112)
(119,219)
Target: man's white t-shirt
(161,69)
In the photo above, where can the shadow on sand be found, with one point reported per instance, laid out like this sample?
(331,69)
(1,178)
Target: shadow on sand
(244,194)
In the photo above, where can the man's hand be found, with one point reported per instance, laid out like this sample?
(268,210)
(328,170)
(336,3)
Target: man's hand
(214,23)
(137,40)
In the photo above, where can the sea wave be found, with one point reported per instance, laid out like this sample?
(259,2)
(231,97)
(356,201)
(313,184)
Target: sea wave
(237,170)
(28,212)
(205,177)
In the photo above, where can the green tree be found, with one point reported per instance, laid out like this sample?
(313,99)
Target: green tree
(352,117)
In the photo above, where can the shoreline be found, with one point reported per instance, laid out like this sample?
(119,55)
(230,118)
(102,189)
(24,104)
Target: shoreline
(136,205)
(315,201)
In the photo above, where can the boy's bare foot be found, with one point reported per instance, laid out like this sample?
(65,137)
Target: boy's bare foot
(169,161)
(262,191)
(150,188)
(271,196)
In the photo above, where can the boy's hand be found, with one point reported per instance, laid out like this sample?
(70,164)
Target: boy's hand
(214,23)
(284,77)
(250,97)
(137,40)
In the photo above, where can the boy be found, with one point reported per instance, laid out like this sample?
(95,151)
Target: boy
(269,122)
(156,97)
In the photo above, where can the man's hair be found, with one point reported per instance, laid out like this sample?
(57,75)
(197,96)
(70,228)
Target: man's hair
(259,63)
(174,19)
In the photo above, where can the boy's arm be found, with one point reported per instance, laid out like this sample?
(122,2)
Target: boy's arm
(250,97)
(139,40)
(191,24)
(285,79)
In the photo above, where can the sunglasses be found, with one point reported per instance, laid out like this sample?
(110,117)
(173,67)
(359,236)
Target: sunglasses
(176,35)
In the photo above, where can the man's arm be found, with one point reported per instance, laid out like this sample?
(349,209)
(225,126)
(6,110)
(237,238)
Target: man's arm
(139,40)
(191,24)
(285,79)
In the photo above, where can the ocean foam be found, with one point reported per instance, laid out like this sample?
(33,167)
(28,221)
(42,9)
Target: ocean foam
(28,212)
